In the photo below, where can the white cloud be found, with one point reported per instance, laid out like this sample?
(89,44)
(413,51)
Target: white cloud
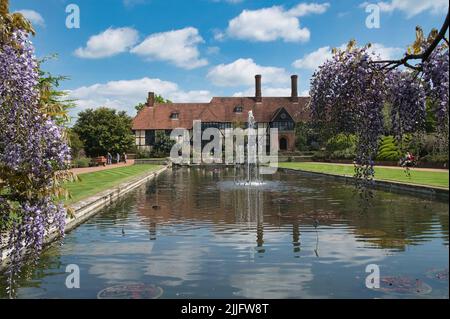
(178,47)
(125,94)
(304,93)
(213,50)
(219,35)
(269,91)
(269,24)
(412,7)
(108,43)
(313,60)
(386,53)
(131,3)
(242,72)
(303,9)
(266,91)
(229,1)
(190,96)
(34,17)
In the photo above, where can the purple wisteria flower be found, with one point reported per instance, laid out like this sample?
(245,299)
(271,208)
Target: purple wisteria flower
(348,93)
(32,149)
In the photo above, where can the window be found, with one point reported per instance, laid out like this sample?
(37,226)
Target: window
(283,126)
(149,137)
(238,109)
(219,125)
(140,137)
(174,115)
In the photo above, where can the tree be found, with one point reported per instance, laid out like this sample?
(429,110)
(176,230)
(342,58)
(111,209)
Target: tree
(33,150)
(349,93)
(104,130)
(76,145)
(139,107)
(158,99)
(306,139)
(163,144)
(52,101)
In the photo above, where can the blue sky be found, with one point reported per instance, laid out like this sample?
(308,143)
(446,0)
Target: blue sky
(193,50)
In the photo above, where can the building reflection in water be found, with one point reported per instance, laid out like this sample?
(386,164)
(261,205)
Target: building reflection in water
(248,206)
(193,194)
(152,230)
(296,238)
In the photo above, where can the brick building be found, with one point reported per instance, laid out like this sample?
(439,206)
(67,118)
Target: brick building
(224,112)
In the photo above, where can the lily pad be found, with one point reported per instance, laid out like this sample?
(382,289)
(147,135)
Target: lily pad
(438,274)
(404,285)
(131,291)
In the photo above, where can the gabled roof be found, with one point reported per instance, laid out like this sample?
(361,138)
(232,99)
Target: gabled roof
(280,111)
(219,109)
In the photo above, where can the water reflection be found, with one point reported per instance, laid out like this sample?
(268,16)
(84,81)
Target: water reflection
(194,235)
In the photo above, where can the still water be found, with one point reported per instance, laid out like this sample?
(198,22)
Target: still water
(192,234)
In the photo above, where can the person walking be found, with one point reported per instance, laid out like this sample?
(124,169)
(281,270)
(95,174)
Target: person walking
(118,158)
(125,157)
(407,160)
(109,158)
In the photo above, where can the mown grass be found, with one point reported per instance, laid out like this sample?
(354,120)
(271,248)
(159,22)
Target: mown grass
(429,178)
(90,184)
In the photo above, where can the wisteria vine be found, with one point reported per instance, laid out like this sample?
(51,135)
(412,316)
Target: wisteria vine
(348,93)
(436,79)
(406,96)
(32,152)
(347,96)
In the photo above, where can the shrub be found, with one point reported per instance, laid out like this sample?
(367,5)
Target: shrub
(436,158)
(346,154)
(76,145)
(162,146)
(341,142)
(388,149)
(341,146)
(142,154)
(306,137)
(82,162)
(319,156)
(430,145)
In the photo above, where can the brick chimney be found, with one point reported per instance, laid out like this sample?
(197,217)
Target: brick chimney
(151,99)
(294,91)
(258,95)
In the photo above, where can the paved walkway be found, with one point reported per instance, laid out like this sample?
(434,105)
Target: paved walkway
(131,162)
(83,170)
(391,167)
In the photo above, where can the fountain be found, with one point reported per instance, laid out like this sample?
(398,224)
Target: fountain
(251,176)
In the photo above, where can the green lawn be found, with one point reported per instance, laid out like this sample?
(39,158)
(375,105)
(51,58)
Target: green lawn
(92,183)
(439,179)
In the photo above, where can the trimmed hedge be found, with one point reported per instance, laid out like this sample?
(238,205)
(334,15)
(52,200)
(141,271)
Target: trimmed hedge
(388,149)
(81,162)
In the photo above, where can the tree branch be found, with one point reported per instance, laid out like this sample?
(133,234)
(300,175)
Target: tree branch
(392,64)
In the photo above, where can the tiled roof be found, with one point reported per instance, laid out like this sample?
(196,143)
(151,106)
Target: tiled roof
(220,109)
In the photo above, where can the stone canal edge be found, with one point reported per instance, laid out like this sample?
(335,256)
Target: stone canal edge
(88,207)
